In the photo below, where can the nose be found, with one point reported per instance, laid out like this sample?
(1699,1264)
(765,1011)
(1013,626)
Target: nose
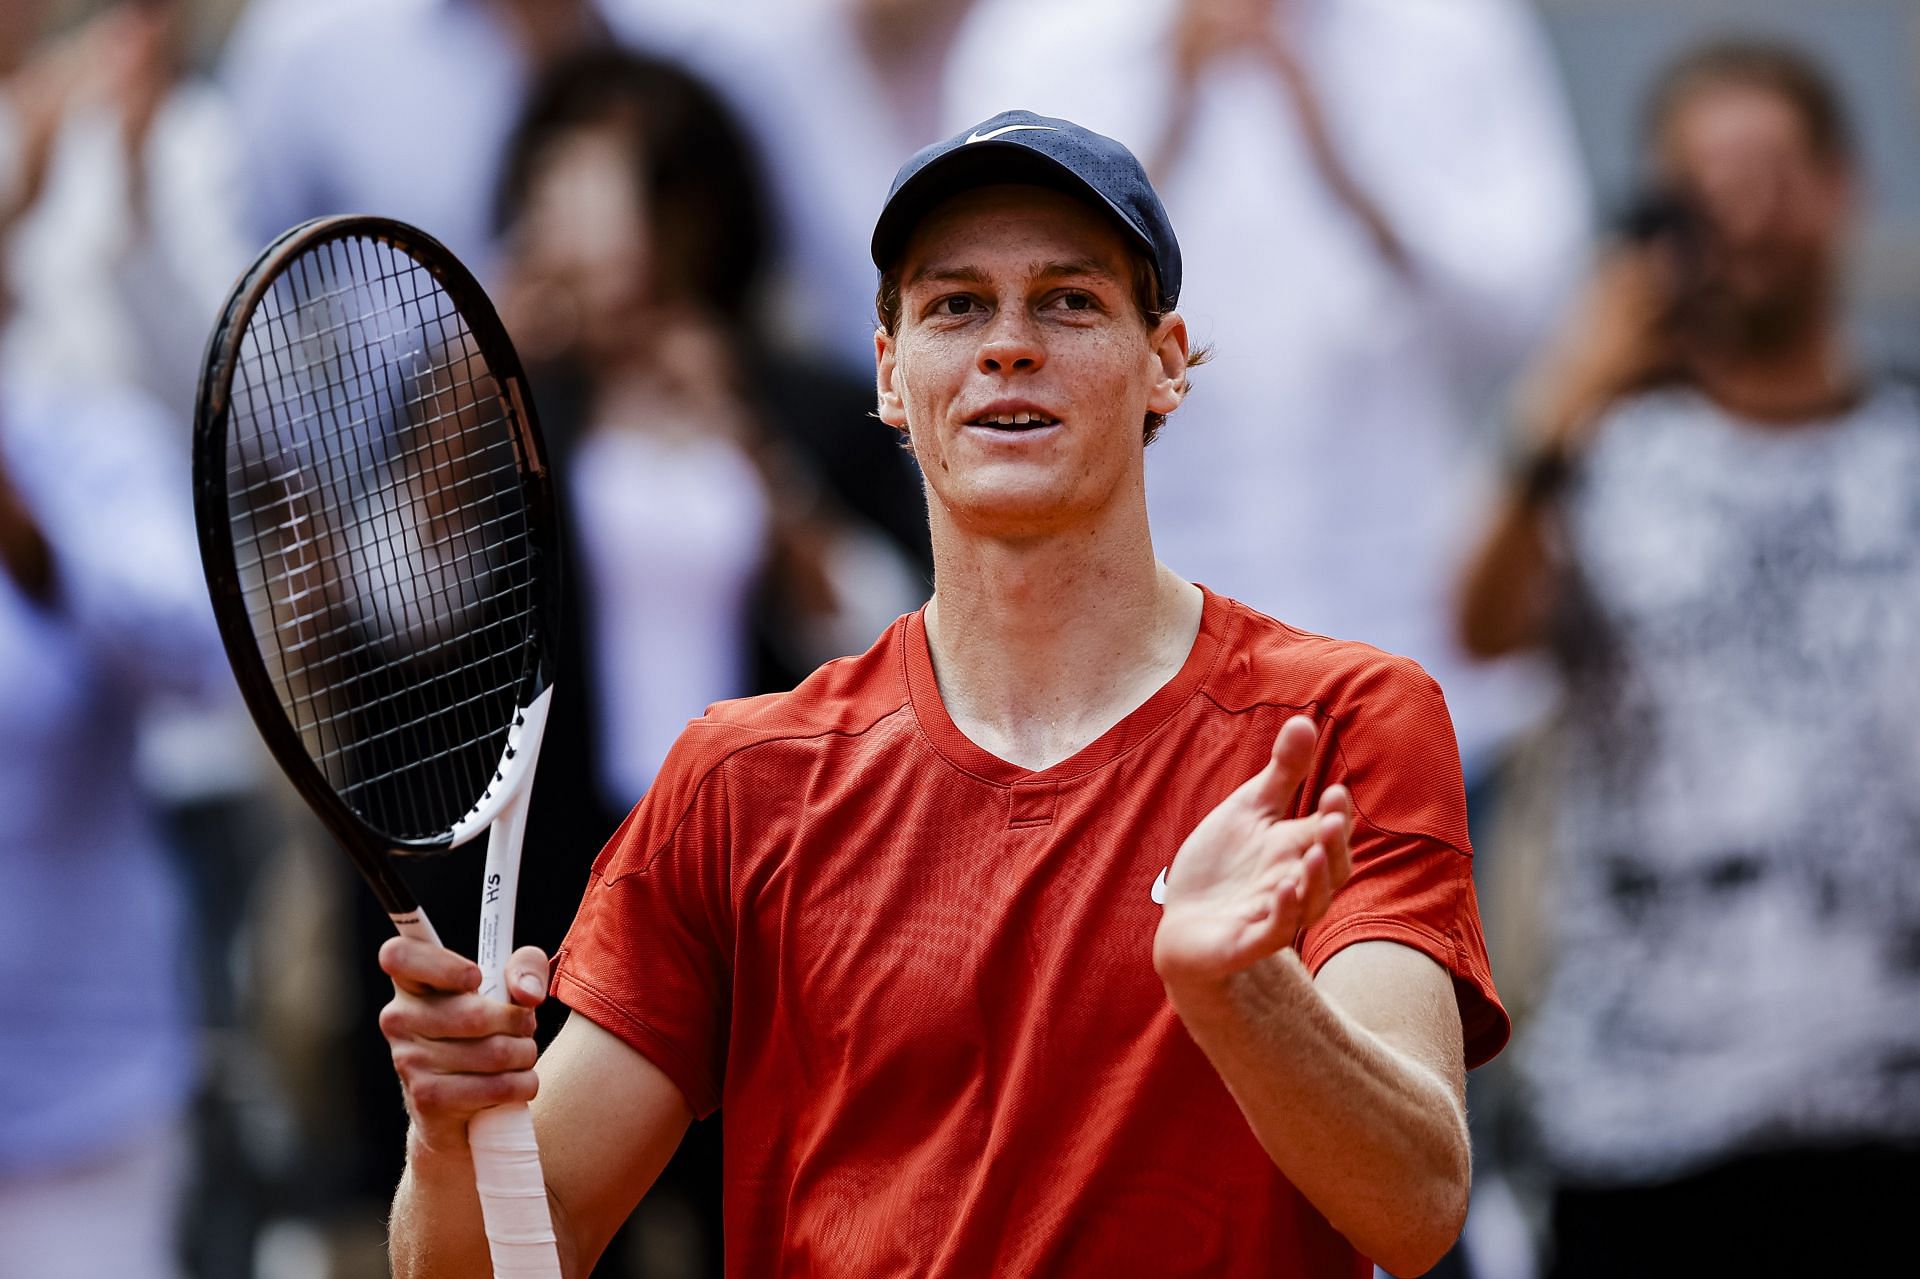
(1745,194)
(1011,345)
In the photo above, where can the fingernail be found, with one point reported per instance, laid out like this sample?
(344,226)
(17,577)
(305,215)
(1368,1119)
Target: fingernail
(529,984)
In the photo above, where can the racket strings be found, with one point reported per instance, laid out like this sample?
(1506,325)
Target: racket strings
(380,530)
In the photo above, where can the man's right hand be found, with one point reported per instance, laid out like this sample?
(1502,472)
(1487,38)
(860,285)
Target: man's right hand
(1619,339)
(458,1052)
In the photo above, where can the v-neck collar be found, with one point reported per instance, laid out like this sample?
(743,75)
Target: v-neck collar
(923,688)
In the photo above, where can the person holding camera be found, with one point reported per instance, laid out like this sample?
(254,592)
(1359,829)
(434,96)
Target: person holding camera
(1715,529)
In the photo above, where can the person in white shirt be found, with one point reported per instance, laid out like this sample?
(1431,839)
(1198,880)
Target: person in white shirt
(121,196)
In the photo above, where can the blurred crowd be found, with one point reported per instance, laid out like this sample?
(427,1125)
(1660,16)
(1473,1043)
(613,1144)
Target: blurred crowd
(1622,479)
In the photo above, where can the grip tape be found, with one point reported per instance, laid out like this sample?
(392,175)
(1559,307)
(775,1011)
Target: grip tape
(513,1193)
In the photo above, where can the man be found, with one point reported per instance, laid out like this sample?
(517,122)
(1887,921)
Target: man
(906,922)
(1718,536)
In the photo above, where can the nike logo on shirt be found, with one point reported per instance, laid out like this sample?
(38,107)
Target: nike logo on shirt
(1160,889)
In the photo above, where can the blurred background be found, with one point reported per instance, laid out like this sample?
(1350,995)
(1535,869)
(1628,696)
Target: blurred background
(1583,321)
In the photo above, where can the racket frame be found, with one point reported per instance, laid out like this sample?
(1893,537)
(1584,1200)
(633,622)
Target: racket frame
(369,847)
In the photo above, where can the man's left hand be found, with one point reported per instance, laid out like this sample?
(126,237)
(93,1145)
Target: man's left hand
(1250,877)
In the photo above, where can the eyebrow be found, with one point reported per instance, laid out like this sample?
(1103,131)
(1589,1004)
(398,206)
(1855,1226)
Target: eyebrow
(943,274)
(940,273)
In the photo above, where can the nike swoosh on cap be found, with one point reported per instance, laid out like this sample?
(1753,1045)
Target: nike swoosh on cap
(1160,889)
(991,134)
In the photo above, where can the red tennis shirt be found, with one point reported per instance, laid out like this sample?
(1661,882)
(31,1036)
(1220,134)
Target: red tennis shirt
(920,980)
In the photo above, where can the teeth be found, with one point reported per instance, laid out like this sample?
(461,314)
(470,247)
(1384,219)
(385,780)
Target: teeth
(1018,419)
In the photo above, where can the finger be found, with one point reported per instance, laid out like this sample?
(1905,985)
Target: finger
(1283,915)
(423,968)
(1335,833)
(492,1055)
(1287,767)
(527,976)
(442,1096)
(452,1017)
(1315,888)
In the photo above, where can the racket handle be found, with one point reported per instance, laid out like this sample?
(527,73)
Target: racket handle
(513,1193)
(415,924)
(506,1169)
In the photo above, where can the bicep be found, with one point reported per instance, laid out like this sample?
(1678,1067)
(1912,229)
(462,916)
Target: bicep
(1405,999)
(608,1120)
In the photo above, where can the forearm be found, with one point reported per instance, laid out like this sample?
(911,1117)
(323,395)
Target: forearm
(1507,589)
(436,1227)
(1331,166)
(1374,1139)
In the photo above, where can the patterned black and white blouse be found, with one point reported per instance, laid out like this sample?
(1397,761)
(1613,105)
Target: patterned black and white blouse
(1736,907)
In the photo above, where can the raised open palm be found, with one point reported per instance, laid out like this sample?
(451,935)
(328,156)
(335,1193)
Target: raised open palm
(1249,877)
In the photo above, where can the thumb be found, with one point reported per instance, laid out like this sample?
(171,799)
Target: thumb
(1287,768)
(527,976)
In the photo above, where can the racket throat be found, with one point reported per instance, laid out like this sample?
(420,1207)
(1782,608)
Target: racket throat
(499,887)
(505,807)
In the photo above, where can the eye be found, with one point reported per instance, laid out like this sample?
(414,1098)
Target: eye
(1073,300)
(957,304)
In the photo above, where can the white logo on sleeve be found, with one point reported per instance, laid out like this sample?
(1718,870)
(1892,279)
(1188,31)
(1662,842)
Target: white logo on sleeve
(1160,889)
(991,134)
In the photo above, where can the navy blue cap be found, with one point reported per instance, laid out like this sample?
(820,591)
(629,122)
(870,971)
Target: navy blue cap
(1019,146)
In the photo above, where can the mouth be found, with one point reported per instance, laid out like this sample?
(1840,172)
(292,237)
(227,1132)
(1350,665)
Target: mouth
(1024,419)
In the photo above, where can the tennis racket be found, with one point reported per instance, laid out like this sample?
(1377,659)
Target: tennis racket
(377,526)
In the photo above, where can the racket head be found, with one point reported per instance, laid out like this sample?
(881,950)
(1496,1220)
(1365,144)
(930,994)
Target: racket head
(376,521)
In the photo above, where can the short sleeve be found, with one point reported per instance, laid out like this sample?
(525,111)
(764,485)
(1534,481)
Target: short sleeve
(1392,745)
(649,955)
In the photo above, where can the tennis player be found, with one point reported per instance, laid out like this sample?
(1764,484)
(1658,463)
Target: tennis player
(1088,924)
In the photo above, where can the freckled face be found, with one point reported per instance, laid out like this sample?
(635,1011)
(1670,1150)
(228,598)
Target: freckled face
(1020,367)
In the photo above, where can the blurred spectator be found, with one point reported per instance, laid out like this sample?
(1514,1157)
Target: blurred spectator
(837,91)
(1381,203)
(1717,535)
(686,451)
(395,107)
(119,236)
(101,606)
(124,206)
(122,210)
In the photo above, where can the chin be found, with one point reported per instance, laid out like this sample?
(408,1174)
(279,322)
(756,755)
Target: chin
(1015,511)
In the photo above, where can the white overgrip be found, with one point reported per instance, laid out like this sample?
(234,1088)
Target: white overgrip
(513,1193)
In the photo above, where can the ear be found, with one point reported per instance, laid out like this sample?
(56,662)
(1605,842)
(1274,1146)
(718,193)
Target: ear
(1170,352)
(893,408)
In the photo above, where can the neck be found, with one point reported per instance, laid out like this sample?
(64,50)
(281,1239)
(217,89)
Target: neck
(1041,645)
(1807,380)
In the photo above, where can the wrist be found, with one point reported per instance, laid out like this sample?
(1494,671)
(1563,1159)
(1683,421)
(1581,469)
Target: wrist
(1204,999)
(442,1146)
